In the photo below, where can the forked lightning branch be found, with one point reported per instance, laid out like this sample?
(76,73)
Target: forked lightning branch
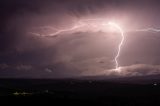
(84,23)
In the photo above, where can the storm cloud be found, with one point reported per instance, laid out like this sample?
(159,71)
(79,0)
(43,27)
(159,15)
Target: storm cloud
(79,53)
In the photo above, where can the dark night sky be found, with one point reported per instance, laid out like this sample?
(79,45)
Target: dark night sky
(24,55)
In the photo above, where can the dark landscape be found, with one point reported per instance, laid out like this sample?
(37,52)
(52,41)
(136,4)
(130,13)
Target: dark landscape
(89,90)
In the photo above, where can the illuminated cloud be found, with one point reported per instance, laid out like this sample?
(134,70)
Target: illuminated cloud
(87,51)
(140,70)
(126,71)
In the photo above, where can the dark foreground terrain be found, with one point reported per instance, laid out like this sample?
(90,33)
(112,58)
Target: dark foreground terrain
(119,92)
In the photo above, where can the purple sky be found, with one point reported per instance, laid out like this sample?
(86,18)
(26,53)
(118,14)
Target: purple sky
(80,53)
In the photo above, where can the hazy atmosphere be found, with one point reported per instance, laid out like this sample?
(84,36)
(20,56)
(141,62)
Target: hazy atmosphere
(32,47)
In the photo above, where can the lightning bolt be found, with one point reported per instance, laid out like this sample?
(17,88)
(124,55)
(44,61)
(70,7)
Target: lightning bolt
(83,24)
(67,30)
(57,31)
(119,46)
(148,30)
